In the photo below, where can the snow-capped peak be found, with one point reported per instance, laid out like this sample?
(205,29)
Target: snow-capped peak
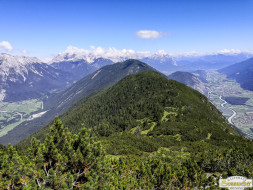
(160,54)
(74,53)
(16,65)
(163,57)
(13,61)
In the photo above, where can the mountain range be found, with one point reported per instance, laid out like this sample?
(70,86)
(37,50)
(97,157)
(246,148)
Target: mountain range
(160,60)
(27,77)
(211,61)
(24,78)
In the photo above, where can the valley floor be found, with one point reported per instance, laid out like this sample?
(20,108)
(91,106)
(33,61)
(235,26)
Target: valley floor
(14,113)
(240,115)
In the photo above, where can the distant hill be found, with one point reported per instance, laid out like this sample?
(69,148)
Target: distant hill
(201,74)
(242,72)
(85,87)
(190,80)
(81,68)
(211,61)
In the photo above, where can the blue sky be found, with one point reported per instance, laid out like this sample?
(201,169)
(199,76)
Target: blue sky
(46,27)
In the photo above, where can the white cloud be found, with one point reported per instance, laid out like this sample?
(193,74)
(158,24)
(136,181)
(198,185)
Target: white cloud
(148,34)
(230,51)
(24,51)
(5,46)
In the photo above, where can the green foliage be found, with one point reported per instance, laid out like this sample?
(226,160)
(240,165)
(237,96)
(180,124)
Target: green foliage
(62,161)
(77,161)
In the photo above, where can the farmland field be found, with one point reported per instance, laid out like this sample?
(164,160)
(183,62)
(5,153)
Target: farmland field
(14,113)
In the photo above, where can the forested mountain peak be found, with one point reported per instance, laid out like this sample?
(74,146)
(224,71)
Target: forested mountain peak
(151,105)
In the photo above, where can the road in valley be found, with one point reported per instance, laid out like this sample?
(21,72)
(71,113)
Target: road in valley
(234,112)
(232,116)
(15,113)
